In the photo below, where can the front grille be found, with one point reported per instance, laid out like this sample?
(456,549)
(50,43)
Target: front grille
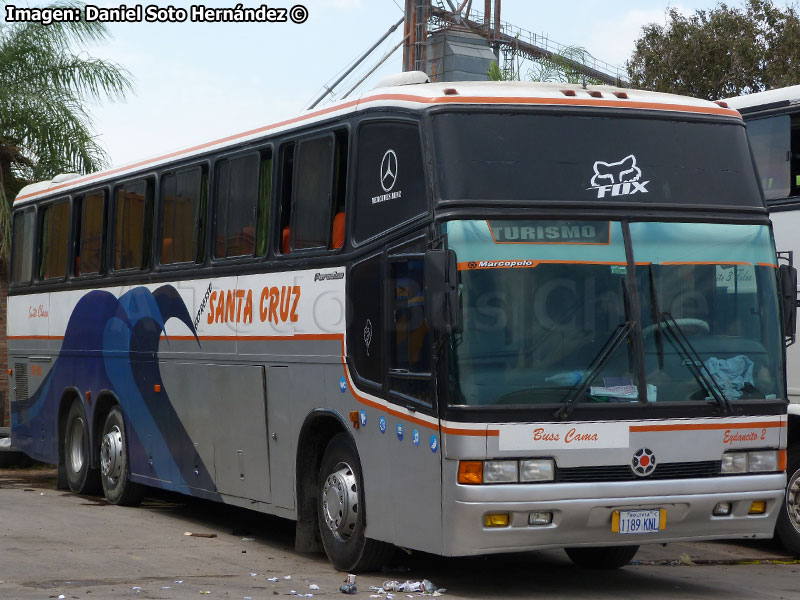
(683,470)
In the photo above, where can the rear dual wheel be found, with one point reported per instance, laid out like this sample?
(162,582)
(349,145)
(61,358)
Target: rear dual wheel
(80,477)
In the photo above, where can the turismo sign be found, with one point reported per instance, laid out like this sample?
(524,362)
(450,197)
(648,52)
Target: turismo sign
(550,232)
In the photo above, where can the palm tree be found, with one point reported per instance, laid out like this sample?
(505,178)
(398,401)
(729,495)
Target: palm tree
(44,88)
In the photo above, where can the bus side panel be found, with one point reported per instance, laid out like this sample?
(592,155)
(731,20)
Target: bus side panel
(222,408)
(401,461)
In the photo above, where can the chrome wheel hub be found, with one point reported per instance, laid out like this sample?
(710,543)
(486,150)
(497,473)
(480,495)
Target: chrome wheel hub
(340,501)
(793,500)
(77,456)
(111,453)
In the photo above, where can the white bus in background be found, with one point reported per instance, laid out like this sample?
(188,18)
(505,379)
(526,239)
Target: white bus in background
(773,127)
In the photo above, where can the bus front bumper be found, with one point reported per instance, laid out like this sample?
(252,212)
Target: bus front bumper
(582,512)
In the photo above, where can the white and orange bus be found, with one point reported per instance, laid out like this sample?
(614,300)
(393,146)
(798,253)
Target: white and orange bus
(773,127)
(461,318)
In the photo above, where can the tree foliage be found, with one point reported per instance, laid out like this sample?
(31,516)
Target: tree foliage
(44,88)
(721,52)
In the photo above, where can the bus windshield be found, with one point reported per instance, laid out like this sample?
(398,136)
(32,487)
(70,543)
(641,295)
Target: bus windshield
(547,311)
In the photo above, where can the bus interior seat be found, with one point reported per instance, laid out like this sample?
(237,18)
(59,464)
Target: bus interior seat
(285,238)
(337,235)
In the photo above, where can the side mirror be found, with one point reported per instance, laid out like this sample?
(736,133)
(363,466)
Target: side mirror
(788,281)
(441,290)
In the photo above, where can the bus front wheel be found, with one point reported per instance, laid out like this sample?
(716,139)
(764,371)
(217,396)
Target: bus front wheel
(81,478)
(611,557)
(788,526)
(114,466)
(340,510)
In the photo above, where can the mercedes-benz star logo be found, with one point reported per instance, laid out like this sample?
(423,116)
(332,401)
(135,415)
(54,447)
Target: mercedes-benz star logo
(388,170)
(643,462)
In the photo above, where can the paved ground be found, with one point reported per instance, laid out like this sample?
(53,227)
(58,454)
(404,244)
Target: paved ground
(55,544)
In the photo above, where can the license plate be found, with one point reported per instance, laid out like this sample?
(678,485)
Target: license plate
(638,521)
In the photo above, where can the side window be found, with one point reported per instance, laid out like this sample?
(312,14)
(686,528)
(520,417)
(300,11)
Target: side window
(54,227)
(264,199)
(90,226)
(770,141)
(284,241)
(22,261)
(313,181)
(132,222)
(365,332)
(240,204)
(182,196)
(313,191)
(390,185)
(410,340)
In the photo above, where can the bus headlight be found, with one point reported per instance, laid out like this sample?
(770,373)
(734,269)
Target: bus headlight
(762,461)
(754,461)
(537,469)
(500,471)
(734,462)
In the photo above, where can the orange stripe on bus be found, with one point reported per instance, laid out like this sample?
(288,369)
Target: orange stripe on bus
(705,426)
(465,266)
(774,266)
(566,101)
(256,338)
(400,97)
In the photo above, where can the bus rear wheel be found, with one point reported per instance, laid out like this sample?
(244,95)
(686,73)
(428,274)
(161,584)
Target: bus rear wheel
(80,477)
(605,557)
(788,526)
(114,466)
(340,511)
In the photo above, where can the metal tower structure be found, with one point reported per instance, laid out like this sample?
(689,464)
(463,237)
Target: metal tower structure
(427,18)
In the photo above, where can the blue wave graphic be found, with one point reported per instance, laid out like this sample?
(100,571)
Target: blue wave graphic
(111,345)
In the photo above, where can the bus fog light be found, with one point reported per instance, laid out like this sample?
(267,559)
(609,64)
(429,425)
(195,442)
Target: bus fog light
(540,518)
(500,471)
(734,462)
(763,461)
(758,507)
(496,520)
(722,509)
(540,469)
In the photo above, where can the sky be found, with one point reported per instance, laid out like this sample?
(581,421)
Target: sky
(194,82)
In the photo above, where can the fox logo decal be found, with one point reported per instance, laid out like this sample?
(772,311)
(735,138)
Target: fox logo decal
(621,178)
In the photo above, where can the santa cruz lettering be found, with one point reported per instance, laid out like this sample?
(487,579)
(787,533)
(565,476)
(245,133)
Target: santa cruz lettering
(276,305)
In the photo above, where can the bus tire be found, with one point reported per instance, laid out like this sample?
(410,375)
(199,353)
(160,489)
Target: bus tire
(80,477)
(114,467)
(788,526)
(605,557)
(340,511)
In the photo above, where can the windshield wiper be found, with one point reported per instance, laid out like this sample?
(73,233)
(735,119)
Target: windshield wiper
(695,362)
(690,355)
(620,335)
